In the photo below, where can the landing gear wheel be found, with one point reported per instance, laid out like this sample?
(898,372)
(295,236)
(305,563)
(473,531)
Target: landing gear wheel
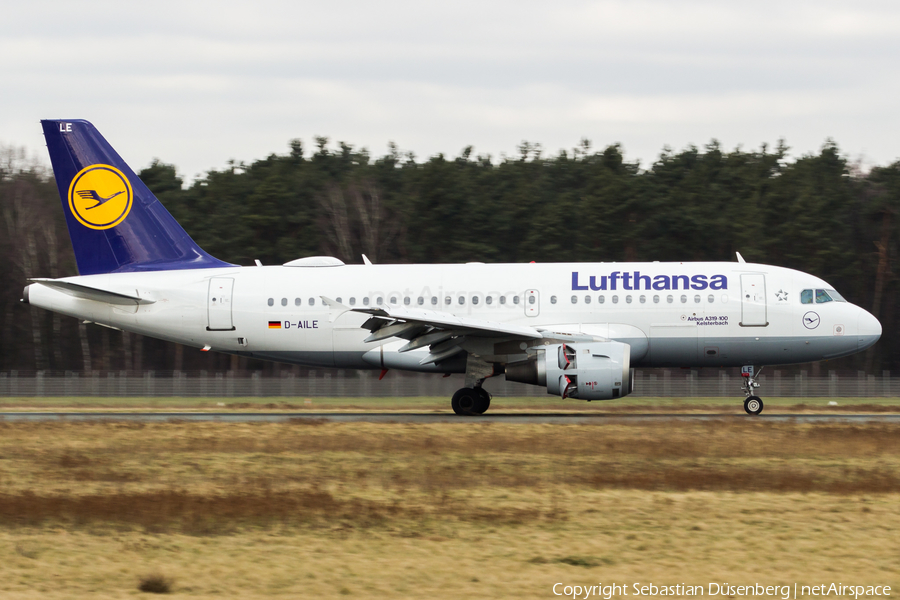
(465,402)
(484,401)
(753,405)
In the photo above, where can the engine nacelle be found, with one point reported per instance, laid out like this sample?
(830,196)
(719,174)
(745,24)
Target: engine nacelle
(583,370)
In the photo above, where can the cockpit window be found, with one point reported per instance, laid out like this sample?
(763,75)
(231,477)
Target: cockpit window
(822,297)
(835,296)
(806,297)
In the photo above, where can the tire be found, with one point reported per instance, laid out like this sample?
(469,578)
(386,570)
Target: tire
(484,401)
(753,405)
(465,401)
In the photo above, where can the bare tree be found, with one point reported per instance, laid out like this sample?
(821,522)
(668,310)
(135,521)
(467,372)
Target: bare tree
(357,221)
(23,224)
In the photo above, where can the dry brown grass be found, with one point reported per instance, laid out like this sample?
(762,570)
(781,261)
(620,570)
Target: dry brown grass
(175,474)
(461,510)
(619,536)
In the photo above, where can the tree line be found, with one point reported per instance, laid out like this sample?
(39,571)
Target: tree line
(818,213)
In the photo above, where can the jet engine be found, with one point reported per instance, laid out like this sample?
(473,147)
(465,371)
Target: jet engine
(583,370)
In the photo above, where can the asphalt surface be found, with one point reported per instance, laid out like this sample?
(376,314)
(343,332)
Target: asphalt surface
(498,417)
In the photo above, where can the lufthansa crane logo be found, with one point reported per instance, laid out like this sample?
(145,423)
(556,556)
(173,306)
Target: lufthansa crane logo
(811,320)
(100,196)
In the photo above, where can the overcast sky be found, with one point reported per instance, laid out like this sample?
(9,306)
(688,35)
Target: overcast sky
(198,83)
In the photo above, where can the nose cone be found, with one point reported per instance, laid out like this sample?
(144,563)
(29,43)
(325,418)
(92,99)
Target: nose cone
(868,329)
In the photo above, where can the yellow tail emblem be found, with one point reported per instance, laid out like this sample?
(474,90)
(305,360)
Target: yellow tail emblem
(100,196)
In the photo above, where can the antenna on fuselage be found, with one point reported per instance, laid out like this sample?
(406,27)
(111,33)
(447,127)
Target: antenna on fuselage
(366,260)
(740,258)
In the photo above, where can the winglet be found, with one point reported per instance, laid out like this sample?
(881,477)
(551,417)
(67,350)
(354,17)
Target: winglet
(740,258)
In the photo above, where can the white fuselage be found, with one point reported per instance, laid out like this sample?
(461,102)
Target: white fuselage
(671,314)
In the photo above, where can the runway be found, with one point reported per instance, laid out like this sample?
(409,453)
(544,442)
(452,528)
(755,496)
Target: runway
(499,417)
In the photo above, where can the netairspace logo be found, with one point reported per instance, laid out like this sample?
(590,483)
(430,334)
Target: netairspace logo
(785,592)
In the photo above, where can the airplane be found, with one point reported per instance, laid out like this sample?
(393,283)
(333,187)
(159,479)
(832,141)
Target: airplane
(576,329)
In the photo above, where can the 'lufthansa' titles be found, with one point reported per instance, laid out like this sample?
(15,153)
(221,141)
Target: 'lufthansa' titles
(634,280)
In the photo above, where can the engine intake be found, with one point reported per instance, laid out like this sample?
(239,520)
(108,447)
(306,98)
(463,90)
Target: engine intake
(584,370)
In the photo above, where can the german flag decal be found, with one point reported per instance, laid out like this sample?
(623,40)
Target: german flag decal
(274,324)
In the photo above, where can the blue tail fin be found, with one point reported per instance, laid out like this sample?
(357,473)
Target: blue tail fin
(115,222)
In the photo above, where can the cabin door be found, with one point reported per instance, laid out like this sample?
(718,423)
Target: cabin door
(218,305)
(753,300)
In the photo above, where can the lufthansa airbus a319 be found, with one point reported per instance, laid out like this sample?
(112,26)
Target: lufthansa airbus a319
(576,329)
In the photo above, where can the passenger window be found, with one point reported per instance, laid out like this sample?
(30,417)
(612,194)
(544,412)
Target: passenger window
(697,299)
(574,299)
(670,299)
(822,297)
(601,298)
(683,299)
(552,299)
(379,300)
(711,299)
(488,299)
(474,299)
(420,301)
(515,299)
(628,298)
(806,297)
(297,301)
(531,299)
(284,301)
(587,299)
(615,299)
(655,299)
(462,299)
(406,300)
(271,302)
(447,300)
(643,299)
(339,301)
(352,301)
(312,301)
(502,299)
(366,300)
(434,300)
(393,299)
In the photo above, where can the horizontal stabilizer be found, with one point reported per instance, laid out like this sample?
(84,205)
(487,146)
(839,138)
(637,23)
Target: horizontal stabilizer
(92,293)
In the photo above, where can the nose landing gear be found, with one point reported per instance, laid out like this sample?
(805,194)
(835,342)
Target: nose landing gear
(753,405)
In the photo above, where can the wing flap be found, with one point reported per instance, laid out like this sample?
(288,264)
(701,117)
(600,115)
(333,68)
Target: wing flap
(444,333)
(442,320)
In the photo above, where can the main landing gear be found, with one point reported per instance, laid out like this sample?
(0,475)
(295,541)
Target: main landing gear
(473,399)
(753,405)
(470,401)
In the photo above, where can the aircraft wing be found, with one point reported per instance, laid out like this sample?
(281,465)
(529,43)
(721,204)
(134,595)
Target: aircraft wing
(443,332)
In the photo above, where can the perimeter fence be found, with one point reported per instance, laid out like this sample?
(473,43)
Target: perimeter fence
(349,383)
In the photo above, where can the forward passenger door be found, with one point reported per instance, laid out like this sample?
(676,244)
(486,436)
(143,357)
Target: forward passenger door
(753,300)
